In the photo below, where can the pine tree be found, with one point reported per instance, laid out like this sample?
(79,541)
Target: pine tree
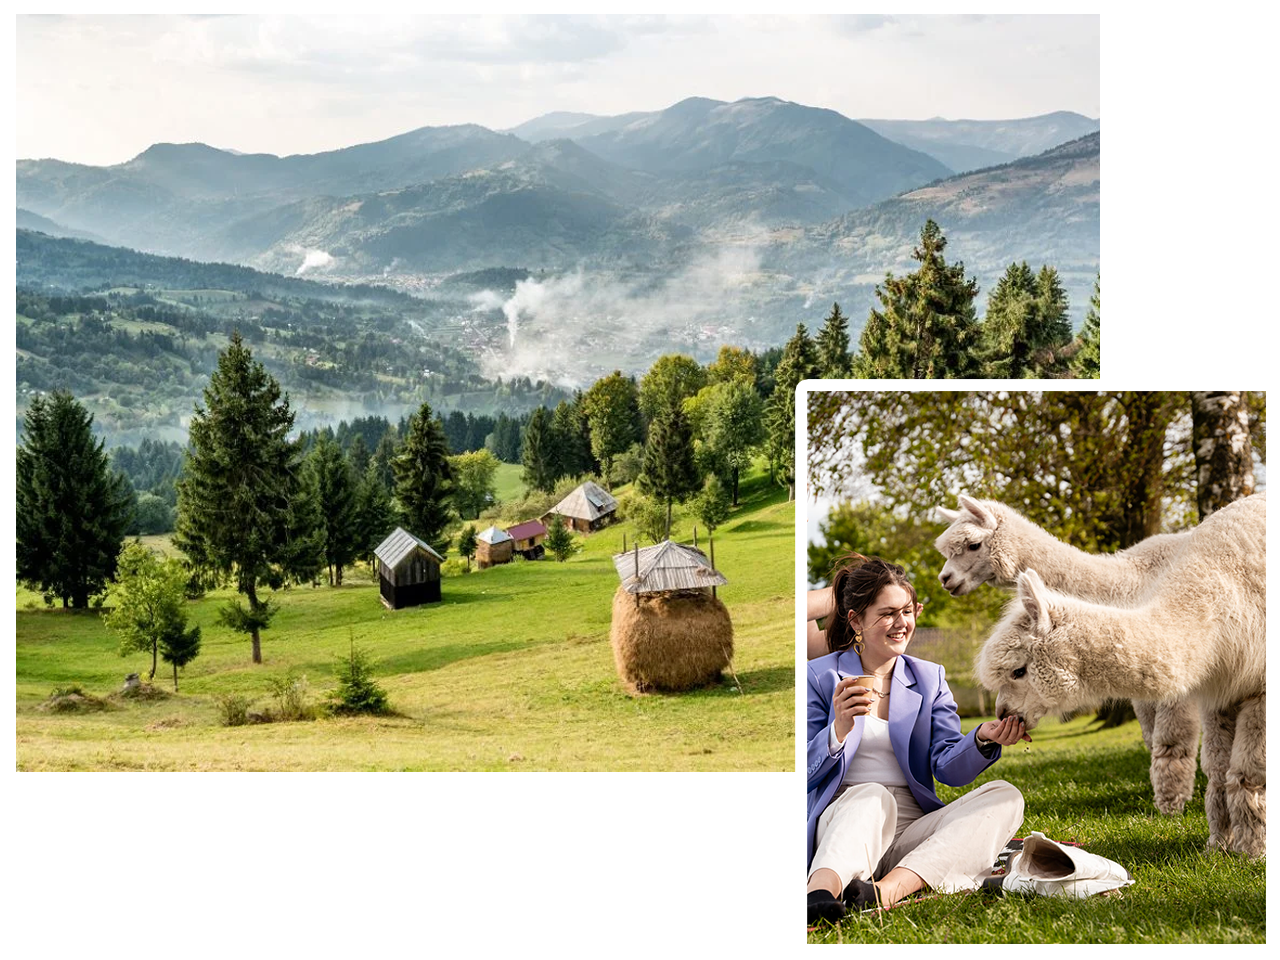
(926,327)
(72,510)
(1087,361)
(799,362)
(424,480)
(669,471)
(537,452)
(832,345)
(339,521)
(467,543)
(711,507)
(236,499)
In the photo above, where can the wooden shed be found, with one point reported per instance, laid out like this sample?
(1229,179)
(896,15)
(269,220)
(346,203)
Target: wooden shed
(528,537)
(589,507)
(493,546)
(408,570)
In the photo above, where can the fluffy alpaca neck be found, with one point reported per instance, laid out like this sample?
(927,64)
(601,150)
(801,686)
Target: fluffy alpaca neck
(1132,653)
(1063,567)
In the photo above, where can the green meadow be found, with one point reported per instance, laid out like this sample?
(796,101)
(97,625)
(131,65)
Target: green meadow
(513,670)
(1090,786)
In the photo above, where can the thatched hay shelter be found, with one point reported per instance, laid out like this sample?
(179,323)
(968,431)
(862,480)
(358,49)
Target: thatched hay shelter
(669,631)
(669,642)
(493,546)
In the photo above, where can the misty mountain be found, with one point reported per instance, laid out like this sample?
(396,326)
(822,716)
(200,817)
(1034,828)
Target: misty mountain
(965,145)
(26,220)
(698,134)
(1042,209)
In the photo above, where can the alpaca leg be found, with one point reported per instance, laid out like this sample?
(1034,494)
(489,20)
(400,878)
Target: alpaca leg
(1247,779)
(1145,711)
(1215,759)
(1174,738)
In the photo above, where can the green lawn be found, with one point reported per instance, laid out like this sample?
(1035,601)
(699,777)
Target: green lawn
(1091,786)
(512,671)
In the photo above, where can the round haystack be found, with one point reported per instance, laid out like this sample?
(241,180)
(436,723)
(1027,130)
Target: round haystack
(670,641)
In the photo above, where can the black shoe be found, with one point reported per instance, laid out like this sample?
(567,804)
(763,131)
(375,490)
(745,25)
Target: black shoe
(860,896)
(824,906)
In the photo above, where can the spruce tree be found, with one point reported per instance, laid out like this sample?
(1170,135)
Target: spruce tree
(424,480)
(799,362)
(559,542)
(832,345)
(375,512)
(1026,330)
(1087,360)
(72,509)
(538,452)
(338,493)
(236,499)
(926,327)
(571,447)
(669,471)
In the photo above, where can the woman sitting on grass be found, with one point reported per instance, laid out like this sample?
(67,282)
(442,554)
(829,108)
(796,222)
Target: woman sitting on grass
(877,831)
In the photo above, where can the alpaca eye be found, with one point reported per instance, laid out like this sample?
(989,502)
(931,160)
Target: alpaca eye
(974,546)
(1019,673)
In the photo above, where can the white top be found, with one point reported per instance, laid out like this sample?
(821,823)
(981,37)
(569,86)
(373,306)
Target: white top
(875,761)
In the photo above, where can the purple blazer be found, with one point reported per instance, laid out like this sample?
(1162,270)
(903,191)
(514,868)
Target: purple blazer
(924,729)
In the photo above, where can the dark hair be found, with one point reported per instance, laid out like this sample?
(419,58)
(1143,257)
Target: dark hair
(856,581)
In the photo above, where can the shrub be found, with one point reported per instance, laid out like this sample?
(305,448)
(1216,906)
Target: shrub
(290,693)
(357,691)
(233,709)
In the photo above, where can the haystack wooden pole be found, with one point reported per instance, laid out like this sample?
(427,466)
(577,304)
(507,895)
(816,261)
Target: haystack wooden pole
(711,543)
(637,574)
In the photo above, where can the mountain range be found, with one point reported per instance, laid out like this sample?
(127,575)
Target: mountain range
(707,220)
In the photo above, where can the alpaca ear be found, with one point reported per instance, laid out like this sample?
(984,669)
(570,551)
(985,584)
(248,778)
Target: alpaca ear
(951,516)
(1035,600)
(985,517)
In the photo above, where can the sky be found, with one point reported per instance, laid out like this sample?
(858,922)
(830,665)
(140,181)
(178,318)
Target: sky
(100,90)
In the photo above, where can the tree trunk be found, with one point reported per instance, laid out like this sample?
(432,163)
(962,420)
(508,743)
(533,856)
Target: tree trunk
(1224,454)
(668,518)
(155,647)
(735,486)
(175,678)
(255,636)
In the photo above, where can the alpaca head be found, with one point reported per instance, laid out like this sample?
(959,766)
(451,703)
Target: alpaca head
(1032,658)
(967,546)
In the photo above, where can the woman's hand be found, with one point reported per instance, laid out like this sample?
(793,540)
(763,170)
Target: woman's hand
(1005,732)
(848,701)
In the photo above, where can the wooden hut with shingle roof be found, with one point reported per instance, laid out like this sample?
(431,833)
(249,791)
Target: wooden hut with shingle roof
(588,507)
(528,537)
(408,570)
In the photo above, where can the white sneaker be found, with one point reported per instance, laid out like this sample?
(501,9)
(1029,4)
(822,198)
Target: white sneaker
(1052,870)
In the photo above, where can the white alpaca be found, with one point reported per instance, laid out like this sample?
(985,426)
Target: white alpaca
(1200,632)
(989,542)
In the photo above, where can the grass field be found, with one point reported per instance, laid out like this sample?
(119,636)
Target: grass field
(1091,786)
(512,671)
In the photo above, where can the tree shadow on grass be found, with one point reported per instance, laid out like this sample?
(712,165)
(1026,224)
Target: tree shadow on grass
(768,680)
(436,657)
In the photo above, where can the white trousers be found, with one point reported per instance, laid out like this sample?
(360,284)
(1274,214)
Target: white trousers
(869,829)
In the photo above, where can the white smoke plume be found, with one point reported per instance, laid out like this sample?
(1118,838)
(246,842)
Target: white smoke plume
(572,328)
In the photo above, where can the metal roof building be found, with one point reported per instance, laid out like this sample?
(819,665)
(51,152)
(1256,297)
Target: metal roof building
(588,507)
